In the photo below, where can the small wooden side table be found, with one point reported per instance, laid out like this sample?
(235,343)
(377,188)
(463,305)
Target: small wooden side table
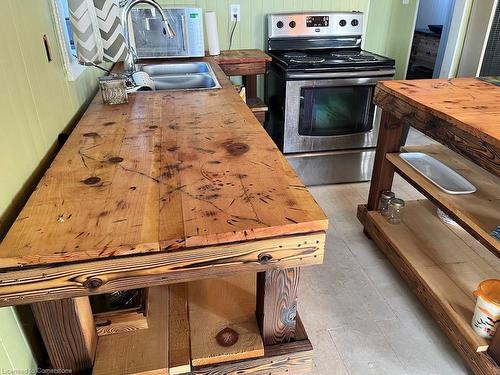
(248,63)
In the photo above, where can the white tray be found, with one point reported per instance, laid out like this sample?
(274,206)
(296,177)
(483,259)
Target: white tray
(438,173)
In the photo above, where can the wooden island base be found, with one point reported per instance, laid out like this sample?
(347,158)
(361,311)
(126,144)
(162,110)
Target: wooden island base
(206,326)
(442,263)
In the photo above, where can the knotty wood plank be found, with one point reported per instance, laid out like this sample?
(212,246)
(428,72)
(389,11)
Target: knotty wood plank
(91,203)
(222,319)
(478,212)
(140,178)
(140,351)
(231,187)
(288,358)
(119,323)
(425,251)
(179,345)
(239,56)
(104,276)
(277,304)
(68,332)
(462,113)
(494,348)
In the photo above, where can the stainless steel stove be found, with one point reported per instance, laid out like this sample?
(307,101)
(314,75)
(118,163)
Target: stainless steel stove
(319,89)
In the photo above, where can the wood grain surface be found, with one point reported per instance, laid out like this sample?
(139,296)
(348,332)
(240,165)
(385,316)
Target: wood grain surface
(68,332)
(461,113)
(277,304)
(241,56)
(141,351)
(166,172)
(479,212)
(141,271)
(494,348)
(441,269)
(222,319)
(119,322)
(389,140)
(281,359)
(179,343)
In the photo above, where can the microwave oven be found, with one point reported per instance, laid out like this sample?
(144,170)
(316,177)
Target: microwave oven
(148,39)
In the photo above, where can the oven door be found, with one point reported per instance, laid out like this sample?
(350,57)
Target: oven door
(330,114)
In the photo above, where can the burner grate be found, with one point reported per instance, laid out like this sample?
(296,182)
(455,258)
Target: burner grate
(344,54)
(308,59)
(294,54)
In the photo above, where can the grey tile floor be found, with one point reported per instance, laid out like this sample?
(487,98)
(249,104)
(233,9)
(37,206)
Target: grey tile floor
(360,315)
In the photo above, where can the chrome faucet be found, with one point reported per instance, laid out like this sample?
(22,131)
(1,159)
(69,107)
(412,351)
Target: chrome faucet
(131,59)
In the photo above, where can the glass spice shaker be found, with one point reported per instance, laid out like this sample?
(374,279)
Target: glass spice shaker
(396,209)
(383,203)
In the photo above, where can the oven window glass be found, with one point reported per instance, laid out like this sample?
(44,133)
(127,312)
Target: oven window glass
(330,111)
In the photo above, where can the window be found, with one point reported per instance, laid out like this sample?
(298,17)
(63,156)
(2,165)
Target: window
(65,37)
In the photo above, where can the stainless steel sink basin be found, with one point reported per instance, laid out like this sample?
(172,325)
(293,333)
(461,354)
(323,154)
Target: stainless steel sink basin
(185,68)
(182,76)
(185,82)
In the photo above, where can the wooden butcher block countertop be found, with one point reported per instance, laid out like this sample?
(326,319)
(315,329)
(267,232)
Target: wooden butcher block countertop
(166,172)
(461,113)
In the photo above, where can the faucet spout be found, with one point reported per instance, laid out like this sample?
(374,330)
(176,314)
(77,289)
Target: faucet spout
(129,63)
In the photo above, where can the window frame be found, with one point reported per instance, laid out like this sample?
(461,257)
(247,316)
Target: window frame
(71,65)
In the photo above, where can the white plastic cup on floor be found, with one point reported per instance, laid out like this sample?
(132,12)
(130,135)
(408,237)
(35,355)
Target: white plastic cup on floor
(487,312)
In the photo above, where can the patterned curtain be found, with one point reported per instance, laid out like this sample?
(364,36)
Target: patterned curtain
(97,31)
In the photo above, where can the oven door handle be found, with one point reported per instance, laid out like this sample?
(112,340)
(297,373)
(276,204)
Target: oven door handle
(389,73)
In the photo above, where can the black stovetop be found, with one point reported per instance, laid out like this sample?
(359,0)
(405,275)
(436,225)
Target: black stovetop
(329,59)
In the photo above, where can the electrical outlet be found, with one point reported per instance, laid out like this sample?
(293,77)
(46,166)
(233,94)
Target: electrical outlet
(235,12)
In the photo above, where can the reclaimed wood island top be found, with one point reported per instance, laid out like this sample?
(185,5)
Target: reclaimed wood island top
(461,113)
(171,183)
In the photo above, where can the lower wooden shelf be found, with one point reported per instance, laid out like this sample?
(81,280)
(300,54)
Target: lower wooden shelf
(443,266)
(478,212)
(202,327)
(259,108)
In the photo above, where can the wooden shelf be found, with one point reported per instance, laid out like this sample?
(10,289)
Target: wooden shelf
(223,326)
(479,212)
(184,322)
(257,105)
(442,268)
(138,351)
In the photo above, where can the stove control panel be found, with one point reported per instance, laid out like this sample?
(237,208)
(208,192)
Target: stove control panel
(315,24)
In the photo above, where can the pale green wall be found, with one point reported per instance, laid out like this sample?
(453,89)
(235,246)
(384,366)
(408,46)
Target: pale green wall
(15,352)
(251,31)
(389,30)
(37,102)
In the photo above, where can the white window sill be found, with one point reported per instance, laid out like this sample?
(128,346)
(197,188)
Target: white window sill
(75,70)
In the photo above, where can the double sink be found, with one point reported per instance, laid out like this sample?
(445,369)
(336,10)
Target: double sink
(182,76)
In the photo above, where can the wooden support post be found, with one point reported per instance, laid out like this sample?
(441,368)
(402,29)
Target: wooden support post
(494,348)
(277,304)
(389,140)
(250,82)
(68,331)
(179,350)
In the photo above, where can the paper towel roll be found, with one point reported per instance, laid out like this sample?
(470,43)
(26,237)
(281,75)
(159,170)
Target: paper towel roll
(212,33)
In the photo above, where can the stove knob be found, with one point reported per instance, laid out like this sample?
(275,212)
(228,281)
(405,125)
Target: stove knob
(354,22)
(342,23)
(279,25)
(292,24)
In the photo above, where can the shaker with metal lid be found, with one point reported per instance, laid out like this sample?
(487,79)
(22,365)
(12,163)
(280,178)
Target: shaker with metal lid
(396,209)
